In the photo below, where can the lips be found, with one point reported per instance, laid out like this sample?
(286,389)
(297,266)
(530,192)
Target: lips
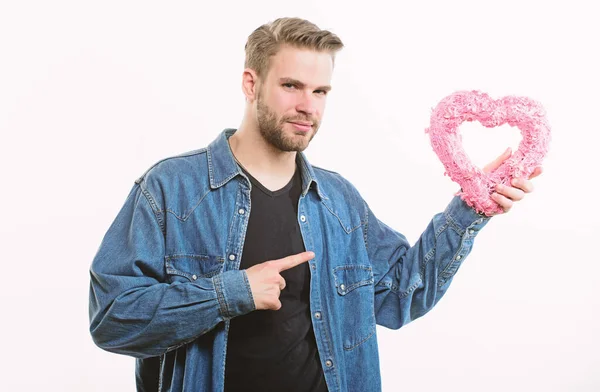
(302,126)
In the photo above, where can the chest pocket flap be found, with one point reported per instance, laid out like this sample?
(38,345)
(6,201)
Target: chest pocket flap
(350,277)
(190,267)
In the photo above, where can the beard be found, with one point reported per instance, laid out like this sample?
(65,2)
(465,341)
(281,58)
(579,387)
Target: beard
(271,129)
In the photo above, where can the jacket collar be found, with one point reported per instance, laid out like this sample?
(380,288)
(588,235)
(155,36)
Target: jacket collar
(222,166)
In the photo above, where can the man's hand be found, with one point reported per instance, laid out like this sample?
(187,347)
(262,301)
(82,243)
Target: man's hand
(505,196)
(266,282)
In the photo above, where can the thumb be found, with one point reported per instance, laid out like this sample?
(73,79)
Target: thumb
(490,167)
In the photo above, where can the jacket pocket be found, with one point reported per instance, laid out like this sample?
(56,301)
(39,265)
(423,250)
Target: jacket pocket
(190,267)
(356,296)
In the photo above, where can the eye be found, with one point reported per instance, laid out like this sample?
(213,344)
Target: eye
(321,92)
(289,85)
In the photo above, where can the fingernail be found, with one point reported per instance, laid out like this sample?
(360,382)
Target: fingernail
(507,152)
(514,181)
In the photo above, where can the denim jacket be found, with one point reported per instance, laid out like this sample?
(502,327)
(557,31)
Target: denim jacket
(166,281)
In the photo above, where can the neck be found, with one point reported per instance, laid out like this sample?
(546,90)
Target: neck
(269,165)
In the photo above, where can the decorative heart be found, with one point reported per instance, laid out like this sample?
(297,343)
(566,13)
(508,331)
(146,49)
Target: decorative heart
(476,186)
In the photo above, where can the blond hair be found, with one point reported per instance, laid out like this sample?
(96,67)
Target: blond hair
(265,41)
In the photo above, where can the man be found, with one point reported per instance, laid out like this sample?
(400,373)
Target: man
(241,267)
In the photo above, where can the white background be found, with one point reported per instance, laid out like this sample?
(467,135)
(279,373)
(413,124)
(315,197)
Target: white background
(93,93)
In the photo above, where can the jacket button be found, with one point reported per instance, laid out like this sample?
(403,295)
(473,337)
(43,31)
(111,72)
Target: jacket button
(241,211)
(302,218)
(458,257)
(317,315)
(232,257)
(194,277)
(471,231)
(328,363)
(342,287)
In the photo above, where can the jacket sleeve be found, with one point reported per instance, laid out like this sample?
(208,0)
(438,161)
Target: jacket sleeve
(409,281)
(133,309)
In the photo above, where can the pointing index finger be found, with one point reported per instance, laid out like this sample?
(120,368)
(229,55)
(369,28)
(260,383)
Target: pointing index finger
(293,260)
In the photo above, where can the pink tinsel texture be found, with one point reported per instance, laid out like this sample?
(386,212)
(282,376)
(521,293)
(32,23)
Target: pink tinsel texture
(524,113)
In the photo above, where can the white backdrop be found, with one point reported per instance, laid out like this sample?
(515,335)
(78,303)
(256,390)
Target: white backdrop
(93,93)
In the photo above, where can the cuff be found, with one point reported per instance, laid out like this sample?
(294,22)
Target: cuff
(234,293)
(464,216)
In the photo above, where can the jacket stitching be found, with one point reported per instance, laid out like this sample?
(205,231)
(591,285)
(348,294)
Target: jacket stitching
(450,220)
(183,155)
(187,215)
(217,283)
(347,230)
(349,348)
(154,208)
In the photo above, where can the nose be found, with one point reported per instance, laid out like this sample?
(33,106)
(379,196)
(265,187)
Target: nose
(306,104)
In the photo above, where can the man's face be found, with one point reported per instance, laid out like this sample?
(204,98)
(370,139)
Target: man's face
(291,99)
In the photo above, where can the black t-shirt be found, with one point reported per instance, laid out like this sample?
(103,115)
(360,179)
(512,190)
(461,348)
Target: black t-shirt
(275,350)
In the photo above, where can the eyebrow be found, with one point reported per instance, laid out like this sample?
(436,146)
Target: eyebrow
(302,85)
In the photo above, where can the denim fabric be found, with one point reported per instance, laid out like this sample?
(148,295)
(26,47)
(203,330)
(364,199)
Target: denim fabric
(166,281)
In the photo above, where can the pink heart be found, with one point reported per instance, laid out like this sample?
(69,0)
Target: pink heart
(476,186)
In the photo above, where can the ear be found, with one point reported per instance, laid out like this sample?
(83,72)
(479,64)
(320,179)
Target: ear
(250,84)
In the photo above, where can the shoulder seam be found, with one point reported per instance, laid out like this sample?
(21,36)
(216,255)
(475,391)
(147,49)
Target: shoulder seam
(156,210)
(182,155)
(325,170)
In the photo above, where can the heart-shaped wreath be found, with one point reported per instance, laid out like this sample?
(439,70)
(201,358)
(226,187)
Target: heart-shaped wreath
(476,185)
